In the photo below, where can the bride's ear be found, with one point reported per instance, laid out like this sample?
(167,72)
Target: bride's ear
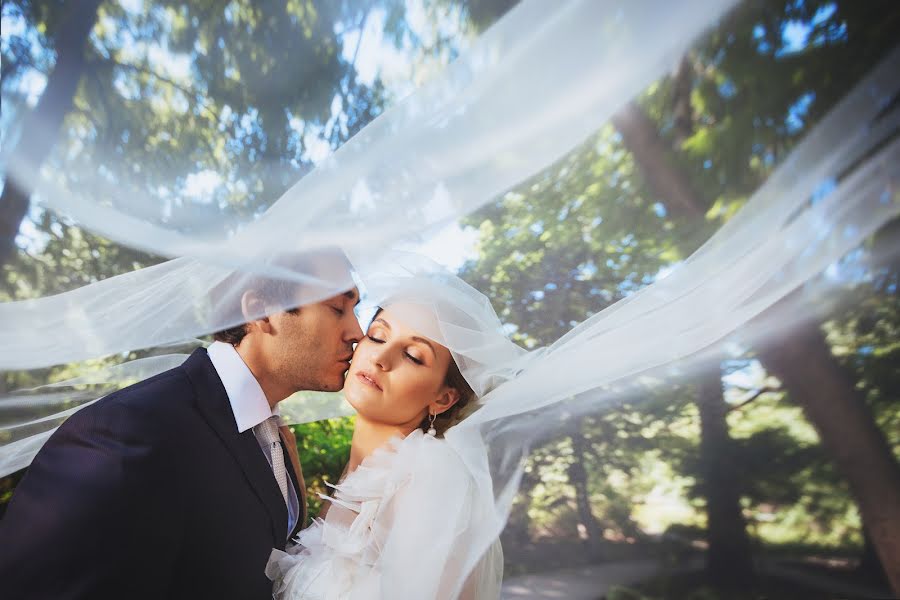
(449,396)
(254,310)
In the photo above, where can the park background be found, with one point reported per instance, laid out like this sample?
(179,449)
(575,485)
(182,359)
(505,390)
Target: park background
(747,481)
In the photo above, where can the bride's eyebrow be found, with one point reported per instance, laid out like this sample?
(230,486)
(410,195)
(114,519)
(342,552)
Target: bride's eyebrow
(414,338)
(426,342)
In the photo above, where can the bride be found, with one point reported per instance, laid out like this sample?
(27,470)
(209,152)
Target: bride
(397,525)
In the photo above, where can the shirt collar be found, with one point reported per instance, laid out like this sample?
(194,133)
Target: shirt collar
(248,402)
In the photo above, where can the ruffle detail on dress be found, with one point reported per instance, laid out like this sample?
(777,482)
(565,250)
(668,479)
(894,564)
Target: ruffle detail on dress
(333,556)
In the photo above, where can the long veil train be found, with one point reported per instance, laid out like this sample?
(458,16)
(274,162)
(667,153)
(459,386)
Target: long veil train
(530,89)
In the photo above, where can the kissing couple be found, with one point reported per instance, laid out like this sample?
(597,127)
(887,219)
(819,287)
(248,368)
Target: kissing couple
(187,484)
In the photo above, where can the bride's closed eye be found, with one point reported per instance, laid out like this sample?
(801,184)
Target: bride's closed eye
(418,361)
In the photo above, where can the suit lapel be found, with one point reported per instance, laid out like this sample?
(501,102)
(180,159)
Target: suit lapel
(212,401)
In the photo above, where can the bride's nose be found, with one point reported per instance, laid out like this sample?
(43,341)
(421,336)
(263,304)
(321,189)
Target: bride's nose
(382,359)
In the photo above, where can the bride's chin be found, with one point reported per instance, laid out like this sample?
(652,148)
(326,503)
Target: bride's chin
(353,398)
(351,386)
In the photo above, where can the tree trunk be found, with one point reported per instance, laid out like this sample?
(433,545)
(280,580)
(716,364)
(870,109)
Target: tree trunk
(641,138)
(41,126)
(578,479)
(517,532)
(805,365)
(728,558)
(870,566)
(830,400)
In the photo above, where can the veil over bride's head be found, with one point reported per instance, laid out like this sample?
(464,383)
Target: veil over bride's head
(514,111)
(447,310)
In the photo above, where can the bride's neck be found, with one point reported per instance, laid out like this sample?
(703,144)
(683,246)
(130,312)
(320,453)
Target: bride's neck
(368,436)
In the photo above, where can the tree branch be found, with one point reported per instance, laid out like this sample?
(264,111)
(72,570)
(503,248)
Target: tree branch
(43,124)
(642,139)
(756,394)
(192,94)
(682,111)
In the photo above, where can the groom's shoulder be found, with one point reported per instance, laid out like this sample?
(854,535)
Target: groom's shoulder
(160,396)
(160,390)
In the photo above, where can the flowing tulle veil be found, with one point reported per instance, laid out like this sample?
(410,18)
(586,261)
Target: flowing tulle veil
(531,88)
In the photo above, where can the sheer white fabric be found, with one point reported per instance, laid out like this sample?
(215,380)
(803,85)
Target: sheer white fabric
(734,277)
(535,85)
(380,538)
(532,87)
(741,271)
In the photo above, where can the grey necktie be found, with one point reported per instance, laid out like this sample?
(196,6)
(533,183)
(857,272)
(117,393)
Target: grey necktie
(269,432)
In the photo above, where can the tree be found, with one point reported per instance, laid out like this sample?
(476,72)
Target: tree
(47,116)
(736,106)
(542,281)
(261,77)
(728,559)
(803,361)
(579,478)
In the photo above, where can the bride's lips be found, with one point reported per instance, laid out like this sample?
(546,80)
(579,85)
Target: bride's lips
(368,380)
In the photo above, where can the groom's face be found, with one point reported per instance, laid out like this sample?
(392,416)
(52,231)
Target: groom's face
(311,349)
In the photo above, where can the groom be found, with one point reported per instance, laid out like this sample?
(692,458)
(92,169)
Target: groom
(179,486)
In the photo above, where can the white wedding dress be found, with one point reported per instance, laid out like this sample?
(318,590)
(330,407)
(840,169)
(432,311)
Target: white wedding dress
(385,534)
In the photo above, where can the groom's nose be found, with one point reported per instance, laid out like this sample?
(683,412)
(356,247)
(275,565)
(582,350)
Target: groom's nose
(354,332)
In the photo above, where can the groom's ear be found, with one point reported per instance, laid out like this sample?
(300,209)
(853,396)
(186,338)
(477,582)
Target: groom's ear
(254,310)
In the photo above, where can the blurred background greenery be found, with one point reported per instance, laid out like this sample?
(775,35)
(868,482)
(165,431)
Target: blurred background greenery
(755,462)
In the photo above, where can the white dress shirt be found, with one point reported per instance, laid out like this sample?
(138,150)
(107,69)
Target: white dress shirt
(250,407)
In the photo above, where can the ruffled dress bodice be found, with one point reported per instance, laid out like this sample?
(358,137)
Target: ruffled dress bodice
(336,554)
(373,536)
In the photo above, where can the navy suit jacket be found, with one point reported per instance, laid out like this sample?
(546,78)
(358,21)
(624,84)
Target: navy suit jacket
(150,492)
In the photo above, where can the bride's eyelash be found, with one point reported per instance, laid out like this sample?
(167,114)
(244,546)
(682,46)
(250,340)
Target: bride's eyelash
(408,355)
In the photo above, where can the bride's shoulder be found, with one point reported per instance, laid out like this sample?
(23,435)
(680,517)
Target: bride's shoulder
(417,458)
(426,446)
(430,456)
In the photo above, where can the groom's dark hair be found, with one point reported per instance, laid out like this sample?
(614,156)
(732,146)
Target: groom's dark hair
(274,291)
(234,335)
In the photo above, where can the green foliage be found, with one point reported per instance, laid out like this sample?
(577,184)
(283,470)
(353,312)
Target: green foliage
(324,448)
(587,232)
(866,339)
(560,247)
